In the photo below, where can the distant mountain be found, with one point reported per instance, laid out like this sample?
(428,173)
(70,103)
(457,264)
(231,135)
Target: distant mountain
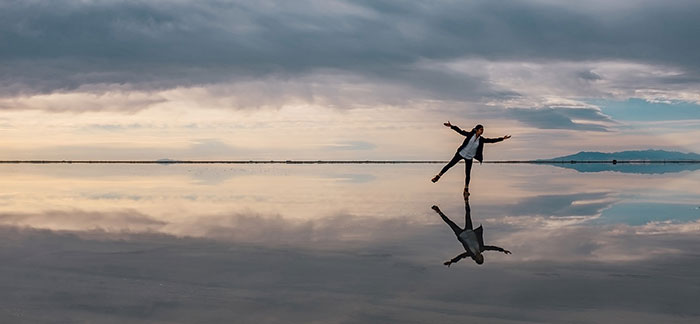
(655,168)
(646,155)
(166,161)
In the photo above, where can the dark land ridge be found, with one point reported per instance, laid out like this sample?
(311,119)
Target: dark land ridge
(640,155)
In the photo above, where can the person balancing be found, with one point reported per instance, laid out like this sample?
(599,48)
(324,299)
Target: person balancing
(472,239)
(471,148)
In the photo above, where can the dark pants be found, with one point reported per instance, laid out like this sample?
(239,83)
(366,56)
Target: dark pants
(467,167)
(467,220)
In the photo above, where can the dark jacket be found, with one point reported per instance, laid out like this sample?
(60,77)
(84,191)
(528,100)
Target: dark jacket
(480,237)
(480,149)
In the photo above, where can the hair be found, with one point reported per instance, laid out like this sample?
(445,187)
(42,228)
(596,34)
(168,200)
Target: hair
(479,259)
(477,127)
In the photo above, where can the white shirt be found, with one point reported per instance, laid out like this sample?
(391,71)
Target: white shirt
(469,151)
(470,241)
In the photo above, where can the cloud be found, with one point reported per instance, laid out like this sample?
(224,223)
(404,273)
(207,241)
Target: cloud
(151,278)
(100,98)
(240,227)
(117,127)
(79,220)
(589,76)
(197,149)
(183,43)
(585,119)
(578,204)
(64,46)
(349,145)
(556,228)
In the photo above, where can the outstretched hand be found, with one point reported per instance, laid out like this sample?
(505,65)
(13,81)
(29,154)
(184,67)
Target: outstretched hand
(447,124)
(506,252)
(506,137)
(436,208)
(448,263)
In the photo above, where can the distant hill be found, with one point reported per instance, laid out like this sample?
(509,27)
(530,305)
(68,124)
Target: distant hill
(166,161)
(645,155)
(656,168)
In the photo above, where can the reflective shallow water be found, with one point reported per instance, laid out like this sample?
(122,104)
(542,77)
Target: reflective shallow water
(344,243)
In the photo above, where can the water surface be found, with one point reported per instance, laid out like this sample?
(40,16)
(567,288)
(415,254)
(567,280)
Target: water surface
(343,244)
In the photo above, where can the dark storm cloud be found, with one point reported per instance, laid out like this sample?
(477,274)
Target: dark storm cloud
(562,118)
(589,75)
(63,45)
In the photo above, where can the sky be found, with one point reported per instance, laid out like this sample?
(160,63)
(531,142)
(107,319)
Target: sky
(309,80)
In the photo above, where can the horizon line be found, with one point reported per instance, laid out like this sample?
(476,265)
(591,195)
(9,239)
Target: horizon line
(335,161)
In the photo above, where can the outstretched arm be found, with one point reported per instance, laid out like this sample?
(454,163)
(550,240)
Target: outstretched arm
(495,248)
(456,129)
(495,140)
(456,259)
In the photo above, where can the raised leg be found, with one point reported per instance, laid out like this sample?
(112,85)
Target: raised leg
(449,222)
(455,160)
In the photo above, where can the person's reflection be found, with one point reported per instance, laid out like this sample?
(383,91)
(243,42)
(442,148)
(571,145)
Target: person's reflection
(472,239)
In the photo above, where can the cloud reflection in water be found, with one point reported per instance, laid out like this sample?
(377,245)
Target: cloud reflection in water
(286,242)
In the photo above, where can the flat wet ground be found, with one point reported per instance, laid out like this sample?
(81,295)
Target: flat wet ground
(344,244)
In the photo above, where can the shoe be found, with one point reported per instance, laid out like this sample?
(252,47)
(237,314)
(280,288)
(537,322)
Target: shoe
(435,178)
